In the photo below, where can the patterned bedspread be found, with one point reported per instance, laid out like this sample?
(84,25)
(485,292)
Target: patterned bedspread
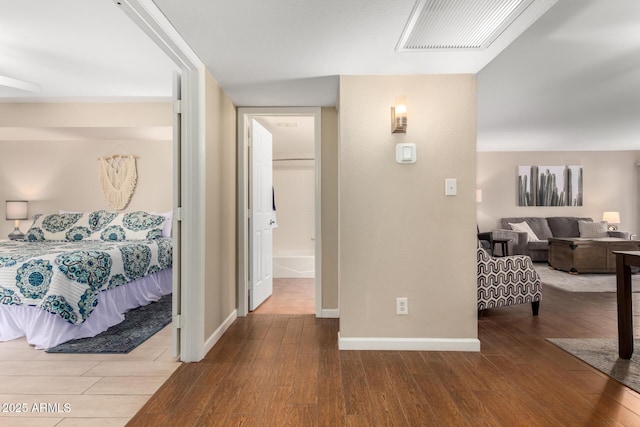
(64,277)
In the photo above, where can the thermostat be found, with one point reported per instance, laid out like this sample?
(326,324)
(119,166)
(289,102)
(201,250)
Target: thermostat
(406,153)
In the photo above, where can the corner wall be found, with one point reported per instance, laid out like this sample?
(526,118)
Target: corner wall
(329,173)
(220,207)
(400,236)
(610,184)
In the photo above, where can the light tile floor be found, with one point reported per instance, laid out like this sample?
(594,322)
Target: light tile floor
(80,389)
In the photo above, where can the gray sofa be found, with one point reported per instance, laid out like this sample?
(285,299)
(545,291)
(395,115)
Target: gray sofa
(558,226)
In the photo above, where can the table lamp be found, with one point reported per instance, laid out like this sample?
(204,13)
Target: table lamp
(613,219)
(16,210)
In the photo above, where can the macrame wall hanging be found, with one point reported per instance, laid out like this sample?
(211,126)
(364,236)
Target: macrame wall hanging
(118,177)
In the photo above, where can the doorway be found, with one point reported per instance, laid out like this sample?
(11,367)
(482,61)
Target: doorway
(296,201)
(293,215)
(188,312)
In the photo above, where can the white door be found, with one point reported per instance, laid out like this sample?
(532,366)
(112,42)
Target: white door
(261,217)
(177,203)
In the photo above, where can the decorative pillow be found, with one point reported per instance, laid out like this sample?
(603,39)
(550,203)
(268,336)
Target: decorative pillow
(137,225)
(593,230)
(524,226)
(67,226)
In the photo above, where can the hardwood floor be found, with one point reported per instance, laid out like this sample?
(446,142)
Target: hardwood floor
(278,370)
(290,296)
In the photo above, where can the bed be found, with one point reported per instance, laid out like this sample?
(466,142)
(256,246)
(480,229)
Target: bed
(76,274)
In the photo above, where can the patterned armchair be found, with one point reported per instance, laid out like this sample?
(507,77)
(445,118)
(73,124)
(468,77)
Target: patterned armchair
(507,281)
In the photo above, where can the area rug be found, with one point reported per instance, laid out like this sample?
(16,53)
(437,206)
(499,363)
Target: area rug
(581,282)
(602,354)
(138,326)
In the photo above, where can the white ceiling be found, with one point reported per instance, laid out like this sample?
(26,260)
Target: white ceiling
(568,82)
(571,81)
(79,50)
(290,52)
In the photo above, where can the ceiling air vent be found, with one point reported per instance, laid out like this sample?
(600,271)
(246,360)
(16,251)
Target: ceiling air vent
(458,24)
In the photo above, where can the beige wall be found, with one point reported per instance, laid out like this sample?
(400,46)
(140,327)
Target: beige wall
(329,174)
(400,236)
(610,184)
(220,207)
(86,115)
(49,152)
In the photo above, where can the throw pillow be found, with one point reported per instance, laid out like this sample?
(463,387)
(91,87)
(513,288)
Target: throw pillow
(593,230)
(524,226)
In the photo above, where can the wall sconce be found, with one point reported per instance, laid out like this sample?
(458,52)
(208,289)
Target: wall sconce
(399,116)
(16,210)
(613,219)
(478,196)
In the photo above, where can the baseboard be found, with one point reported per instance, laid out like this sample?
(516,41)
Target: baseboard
(402,344)
(213,338)
(330,313)
(294,267)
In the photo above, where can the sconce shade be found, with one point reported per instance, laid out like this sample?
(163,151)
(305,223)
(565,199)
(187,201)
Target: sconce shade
(399,116)
(611,217)
(478,196)
(16,209)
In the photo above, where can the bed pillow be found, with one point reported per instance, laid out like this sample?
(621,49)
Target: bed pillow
(97,219)
(137,225)
(66,226)
(593,230)
(168,224)
(524,227)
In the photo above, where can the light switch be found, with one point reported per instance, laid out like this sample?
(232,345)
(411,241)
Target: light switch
(406,153)
(450,187)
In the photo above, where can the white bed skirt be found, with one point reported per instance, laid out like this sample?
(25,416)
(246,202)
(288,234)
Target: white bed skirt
(46,330)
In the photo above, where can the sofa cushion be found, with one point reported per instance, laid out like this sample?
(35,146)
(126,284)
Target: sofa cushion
(593,230)
(537,224)
(565,226)
(539,245)
(524,227)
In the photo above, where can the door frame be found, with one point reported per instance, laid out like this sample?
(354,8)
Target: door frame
(245,114)
(148,17)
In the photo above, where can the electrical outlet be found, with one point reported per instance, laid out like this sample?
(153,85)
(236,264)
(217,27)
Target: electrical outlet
(450,187)
(402,306)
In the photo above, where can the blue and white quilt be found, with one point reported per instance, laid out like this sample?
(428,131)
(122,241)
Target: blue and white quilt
(64,277)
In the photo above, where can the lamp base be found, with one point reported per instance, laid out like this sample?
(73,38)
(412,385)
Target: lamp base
(16,234)
(612,227)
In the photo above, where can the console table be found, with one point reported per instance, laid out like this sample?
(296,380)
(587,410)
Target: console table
(577,255)
(624,261)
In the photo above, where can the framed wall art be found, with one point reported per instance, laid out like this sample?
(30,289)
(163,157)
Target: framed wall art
(550,185)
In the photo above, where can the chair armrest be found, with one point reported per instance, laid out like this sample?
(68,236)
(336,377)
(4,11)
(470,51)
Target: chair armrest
(519,240)
(487,235)
(621,234)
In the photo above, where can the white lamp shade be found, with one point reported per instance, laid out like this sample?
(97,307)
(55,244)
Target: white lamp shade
(17,209)
(611,217)
(478,196)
